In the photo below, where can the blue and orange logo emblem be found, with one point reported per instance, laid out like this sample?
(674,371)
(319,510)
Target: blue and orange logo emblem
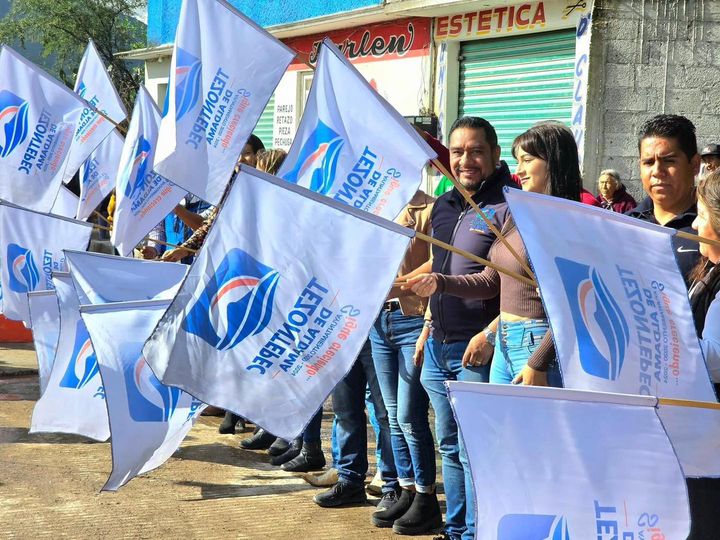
(139,165)
(14,121)
(148,399)
(83,364)
(23,272)
(532,527)
(236,303)
(601,329)
(188,82)
(318,159)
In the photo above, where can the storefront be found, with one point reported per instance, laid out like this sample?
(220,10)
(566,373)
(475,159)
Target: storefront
(395,57)
(513,64)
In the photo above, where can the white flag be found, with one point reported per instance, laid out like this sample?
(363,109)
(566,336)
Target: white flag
(148,420)
(66,203)
(101,279)
(94,85)
(619,313)
(352,145)
(143,198)
(216,95)
(39,116)
(74,400)
(31,245)
(98,173)
(549,463)
(254,331)
(45,321)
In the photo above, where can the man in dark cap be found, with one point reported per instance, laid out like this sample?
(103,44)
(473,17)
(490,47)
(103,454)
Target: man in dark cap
(710,156)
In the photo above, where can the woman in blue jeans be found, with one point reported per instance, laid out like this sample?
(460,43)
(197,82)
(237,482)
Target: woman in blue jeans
(524,351)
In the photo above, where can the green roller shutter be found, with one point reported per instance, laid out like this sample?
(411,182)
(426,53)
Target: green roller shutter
(515,82)
(264,127)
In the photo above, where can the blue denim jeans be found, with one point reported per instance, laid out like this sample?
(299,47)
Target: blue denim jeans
(393,340)
(514,344)
(312,430)
(376,428)
(351,424)
(443,362)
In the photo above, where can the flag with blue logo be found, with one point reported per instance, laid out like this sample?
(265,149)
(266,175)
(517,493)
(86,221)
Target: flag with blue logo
(31,245)
(38,118)
(148,419)
(132,279)
(352,145)
(74,400)
(66,203)
(45,321)
(555,464)
(215,94)
(143,197)
(619,313)
(98,173)
(94,85)
(271,317)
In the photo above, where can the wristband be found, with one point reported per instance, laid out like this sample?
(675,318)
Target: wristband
(427,323)
(489,336)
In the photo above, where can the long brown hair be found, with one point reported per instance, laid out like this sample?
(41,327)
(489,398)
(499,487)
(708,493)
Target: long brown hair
(708,191)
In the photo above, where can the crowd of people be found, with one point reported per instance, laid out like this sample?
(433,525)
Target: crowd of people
(449,318)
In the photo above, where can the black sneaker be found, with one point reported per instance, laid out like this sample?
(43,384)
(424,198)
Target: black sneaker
(341,494)
(261,440)
(423,516)
(392,507)
(230,422)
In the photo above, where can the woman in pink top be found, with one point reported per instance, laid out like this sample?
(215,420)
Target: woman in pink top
(524,352)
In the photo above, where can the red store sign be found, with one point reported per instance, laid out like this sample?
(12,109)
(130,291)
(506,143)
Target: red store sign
(387,41)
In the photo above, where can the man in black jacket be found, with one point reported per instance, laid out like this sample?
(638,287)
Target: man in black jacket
(475,162)
(669,162)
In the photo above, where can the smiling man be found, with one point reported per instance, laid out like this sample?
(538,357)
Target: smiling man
(669,161)
(475,162)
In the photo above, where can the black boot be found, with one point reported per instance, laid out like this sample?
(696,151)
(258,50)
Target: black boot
(279,447)
(423,516)
(261,440)
(386,517)
(229,423)
(341,494)
(311,458)
(291,453)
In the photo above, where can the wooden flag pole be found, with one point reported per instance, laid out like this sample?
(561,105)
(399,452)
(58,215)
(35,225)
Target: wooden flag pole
(689,403)
(440,167)
(474,258)
(168,244)
(696,238)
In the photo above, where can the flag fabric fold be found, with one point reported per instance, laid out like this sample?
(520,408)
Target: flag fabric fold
(619,313)
(148,420)
(94,85)
(45,321)
(66,203)
(74,400)
(102,279)
(271,317)
(215,95)
(550,463)
(98,173)
(39,116)
(31,245)
(352,145)
(143,198)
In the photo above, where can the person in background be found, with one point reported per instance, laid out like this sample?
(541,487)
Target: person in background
(710,157)
(612,194)
(704,493)
(669,162)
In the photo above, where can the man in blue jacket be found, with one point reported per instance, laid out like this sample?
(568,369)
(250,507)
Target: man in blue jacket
(475,162)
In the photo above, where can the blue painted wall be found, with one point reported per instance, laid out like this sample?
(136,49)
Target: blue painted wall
(163,14)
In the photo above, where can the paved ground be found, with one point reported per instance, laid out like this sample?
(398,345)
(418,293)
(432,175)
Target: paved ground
(49,484)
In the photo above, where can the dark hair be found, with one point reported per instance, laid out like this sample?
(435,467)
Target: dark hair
(475,122)
(269,161)
(256,144)
(554,143)
(671,126)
